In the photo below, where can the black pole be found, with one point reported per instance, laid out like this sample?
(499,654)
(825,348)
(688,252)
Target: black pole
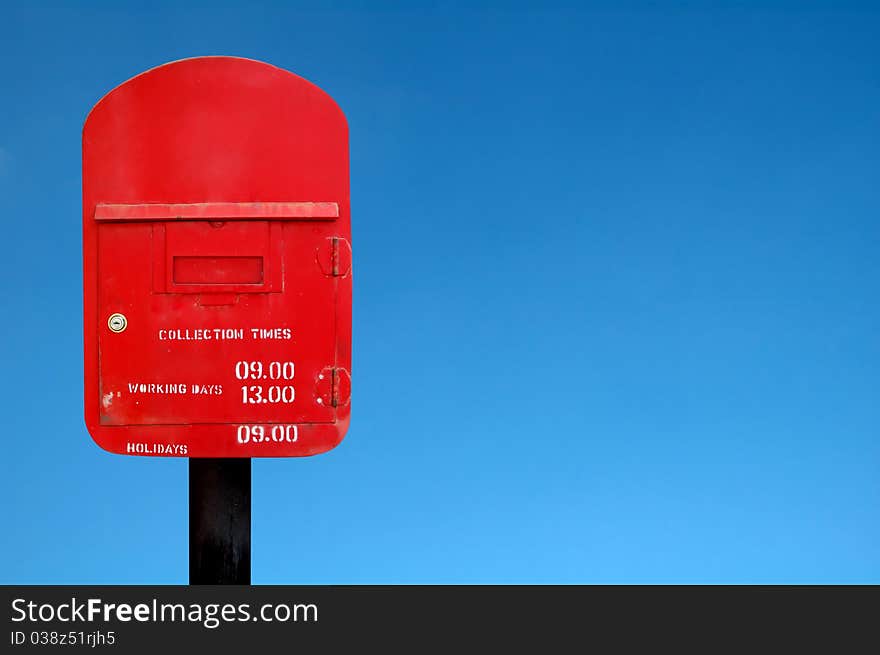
(220,521)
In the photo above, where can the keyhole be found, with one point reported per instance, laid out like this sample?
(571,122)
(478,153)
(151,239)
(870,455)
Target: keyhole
(117,323)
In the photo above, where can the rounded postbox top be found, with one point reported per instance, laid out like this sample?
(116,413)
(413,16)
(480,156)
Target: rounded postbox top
(242,64)
(215,128)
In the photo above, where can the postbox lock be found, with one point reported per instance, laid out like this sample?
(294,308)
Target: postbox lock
(117,323)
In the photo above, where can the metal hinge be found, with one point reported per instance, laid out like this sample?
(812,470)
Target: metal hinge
(334,258)
(334,387)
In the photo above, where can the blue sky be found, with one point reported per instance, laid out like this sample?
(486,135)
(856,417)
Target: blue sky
(616,283)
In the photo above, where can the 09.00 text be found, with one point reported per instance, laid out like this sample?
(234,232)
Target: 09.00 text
(258,434)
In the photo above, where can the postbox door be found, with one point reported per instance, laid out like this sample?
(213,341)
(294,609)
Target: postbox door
(190,350)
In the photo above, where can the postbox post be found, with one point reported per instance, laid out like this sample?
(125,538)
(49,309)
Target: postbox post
(219,521)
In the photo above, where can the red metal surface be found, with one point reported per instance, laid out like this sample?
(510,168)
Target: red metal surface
(216,221)
(214,211)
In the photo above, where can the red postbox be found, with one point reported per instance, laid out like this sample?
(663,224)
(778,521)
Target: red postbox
(217,263)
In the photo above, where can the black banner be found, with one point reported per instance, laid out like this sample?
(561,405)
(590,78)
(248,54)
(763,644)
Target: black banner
(258,619)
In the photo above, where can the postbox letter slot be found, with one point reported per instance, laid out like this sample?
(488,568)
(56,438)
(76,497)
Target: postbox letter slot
(217,270)
(202,257)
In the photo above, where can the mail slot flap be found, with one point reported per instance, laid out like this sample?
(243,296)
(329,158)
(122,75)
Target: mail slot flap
(217,257)
(218,211)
